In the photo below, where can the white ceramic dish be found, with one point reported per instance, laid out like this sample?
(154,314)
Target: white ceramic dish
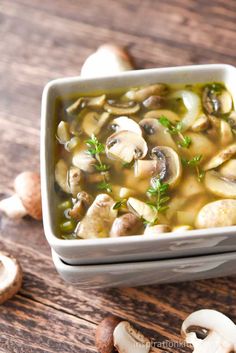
(148,272)
(136,247)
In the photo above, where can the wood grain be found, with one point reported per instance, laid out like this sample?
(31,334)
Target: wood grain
(42,40)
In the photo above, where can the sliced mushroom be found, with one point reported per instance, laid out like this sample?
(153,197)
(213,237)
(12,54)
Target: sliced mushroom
(141,94)
(153,102)
(126,192)
(156,133)
(74,180)
(145,168)
(141,209)
(129,340)
(169,167)
(228,169)
(226,134)
(63,133)
(98,219)
(216,101)
(221,157)
(127,224)
(201,124)
(96,102)
(122,108)
(10,276)
(93,122)
(78,211)
(126,146)
(83,161)
(157,229)
(221,213)
(182,228)
(125,123)
(156,114)
(200,145)
(209,331)
(61,175)
(220,185)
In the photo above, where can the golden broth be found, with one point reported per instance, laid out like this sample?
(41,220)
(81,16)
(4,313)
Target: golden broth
(195,123)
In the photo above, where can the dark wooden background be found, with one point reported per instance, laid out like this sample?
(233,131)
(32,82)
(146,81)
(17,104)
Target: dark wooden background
(44,39)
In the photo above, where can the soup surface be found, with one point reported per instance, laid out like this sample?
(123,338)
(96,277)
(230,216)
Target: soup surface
(147,160)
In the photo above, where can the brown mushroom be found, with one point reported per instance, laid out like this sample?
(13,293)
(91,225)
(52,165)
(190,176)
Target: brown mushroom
(126,146)
(27,197)
(10,276)
(127,224)
(104,334)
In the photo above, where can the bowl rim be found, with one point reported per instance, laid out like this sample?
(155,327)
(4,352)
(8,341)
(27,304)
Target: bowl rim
(68,243)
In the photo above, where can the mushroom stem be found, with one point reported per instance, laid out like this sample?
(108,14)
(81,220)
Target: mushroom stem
(13,207)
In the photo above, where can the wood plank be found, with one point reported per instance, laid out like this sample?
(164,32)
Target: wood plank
(159,310)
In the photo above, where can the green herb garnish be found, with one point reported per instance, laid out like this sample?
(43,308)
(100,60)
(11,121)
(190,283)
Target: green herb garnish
(119,204)
(95,149)
(194,163)
(159,198)
(104,185)
(185,141)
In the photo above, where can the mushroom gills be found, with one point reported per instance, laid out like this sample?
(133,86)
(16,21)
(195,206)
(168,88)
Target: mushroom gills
(169,167)
(126,146)
(220,185)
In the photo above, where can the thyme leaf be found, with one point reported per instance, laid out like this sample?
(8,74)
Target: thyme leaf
(184,141)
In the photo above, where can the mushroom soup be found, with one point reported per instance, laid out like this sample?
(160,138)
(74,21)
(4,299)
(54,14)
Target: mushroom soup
(147,160)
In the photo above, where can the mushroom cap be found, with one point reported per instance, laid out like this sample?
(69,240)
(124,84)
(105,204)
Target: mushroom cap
(125,123)
(221,213)
(127,224)
(10,276)
(156,132)
(104,334)
(107,60)
(27,187)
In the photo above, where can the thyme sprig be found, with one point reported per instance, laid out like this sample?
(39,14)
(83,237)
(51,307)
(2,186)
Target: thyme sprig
(184,140)
(95,149)
(194,163)
(119,204)
(159,198)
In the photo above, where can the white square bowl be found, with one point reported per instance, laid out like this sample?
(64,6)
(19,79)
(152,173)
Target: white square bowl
(108,250)
(130,274)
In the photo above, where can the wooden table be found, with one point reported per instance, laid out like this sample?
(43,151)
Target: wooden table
(45,39)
